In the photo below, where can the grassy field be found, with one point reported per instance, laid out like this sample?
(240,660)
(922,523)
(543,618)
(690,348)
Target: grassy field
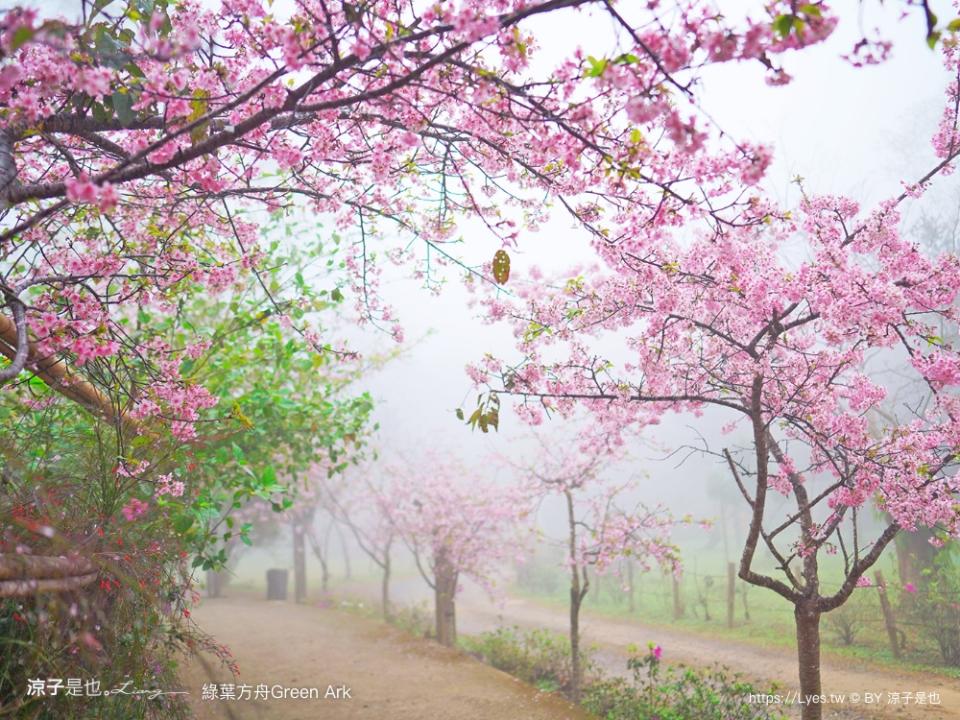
(760,616)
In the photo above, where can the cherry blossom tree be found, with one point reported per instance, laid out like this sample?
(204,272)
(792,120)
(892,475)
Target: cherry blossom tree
(600,530)
(141,143)
(768,319)
(111,521)
(362,504)
(458,525)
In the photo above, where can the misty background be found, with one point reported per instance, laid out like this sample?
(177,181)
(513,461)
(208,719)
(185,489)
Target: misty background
(858,132)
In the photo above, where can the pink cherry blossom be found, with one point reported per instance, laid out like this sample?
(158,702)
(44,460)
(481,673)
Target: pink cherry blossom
(134,509)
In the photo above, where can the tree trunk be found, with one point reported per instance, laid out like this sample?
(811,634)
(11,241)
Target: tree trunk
(214,584)
(324,576)
(299,562)
(808,655)
(578,591)
(445,589)
(347,570)
(914,553)
(731,592)
(575,670)
(385,589)
(320,554)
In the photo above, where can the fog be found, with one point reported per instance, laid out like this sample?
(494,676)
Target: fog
(858,132)
(848,131)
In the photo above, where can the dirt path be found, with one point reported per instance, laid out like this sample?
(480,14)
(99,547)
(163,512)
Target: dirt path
(768,664)
(390,676)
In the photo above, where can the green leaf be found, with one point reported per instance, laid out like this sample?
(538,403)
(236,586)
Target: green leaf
(199,106)
(954,25)
(106,44)
(269,477)
(123,107)
(98,6)
(21,35)
(596,67)
(100,112)
(336,295)
(783,24)
(932,39)
(134,70)
(459,414)
(182,523)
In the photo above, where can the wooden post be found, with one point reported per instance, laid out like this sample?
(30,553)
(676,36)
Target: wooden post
(731,592)
(888,618)
(677,598)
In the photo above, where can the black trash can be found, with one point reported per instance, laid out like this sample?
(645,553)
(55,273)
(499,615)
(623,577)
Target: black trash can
(276,584)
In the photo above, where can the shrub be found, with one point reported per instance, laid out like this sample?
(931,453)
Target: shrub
(681,693)
(539,657)
(128,624)
(846,622)
(935,609)
(416,620)
(540,573)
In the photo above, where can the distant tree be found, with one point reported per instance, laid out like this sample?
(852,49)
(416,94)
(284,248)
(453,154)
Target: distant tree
(362,504)
(600,531)
(458,525)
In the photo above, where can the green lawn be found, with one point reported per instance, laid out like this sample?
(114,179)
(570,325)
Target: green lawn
(704,592)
